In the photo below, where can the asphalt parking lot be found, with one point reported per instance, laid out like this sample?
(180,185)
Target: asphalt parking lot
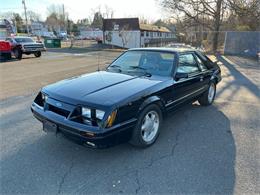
(201,150)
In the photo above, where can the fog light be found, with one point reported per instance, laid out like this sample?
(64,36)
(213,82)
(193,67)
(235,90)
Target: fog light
(91,144)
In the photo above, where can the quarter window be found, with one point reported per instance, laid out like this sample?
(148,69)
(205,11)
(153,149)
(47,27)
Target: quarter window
(187,64)
(201,64)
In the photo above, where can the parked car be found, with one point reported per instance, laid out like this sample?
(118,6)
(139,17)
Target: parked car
(128,100)
(5,50)
(180,45)
(25,45)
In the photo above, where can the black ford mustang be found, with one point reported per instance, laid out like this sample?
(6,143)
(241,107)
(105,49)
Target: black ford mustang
(127,102)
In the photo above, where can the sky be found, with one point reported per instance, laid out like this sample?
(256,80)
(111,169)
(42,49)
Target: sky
(79,9)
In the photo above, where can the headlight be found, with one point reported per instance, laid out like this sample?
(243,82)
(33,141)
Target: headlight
(91,116)
(86,112)
(100,114)
(44,97)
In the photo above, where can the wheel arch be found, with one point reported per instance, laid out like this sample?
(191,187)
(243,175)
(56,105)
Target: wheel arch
(152,100)
(214,79)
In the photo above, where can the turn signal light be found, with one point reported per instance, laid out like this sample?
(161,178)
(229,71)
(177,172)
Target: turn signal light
(111,118)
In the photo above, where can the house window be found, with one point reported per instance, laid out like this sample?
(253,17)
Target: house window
(142,33)
(147,33)
(116,27)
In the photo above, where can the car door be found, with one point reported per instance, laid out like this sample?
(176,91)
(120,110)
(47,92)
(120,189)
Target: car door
(186,88)
(205,72)
(10,40)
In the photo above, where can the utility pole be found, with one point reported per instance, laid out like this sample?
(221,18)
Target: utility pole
(63,17)
(25,13)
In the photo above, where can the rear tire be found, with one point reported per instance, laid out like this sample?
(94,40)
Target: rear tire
(148,127)
(18,54)
(37,54)
(208,96)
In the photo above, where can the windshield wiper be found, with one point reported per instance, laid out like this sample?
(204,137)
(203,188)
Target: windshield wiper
(137,67)
(147,74)
(116,66)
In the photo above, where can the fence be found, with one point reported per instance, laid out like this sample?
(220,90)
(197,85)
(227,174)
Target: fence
(229,42)
(242,43)
(203,39)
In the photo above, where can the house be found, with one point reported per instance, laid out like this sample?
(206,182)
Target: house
(39,28)
(6,29)
(129,33)
(90,33)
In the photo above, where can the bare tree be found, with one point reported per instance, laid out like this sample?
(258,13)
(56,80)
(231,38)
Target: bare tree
(109,12)
(247,13)
(199,12)
(33,16)
(144,20)
(57,16)
(125,35)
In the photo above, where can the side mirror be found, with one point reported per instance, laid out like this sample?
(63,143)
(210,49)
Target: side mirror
(180,75)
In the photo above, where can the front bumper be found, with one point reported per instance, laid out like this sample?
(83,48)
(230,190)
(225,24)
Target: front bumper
(5,55)
(94,137)
(33,50)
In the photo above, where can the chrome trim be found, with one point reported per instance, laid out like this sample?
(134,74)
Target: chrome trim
(36,105)
(200,89)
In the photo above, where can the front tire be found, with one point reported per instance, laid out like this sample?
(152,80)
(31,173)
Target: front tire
(208,96)
(148,127)
(18,54)
(37,54)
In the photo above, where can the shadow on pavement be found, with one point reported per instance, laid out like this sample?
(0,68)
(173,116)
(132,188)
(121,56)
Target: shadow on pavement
(239,79)
(195,153)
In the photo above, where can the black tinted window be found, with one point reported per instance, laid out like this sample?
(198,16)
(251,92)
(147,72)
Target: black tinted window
(187,64)
(200,63)
(207,62)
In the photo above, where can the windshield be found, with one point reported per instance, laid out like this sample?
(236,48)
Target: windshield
(23,40)
(146,62)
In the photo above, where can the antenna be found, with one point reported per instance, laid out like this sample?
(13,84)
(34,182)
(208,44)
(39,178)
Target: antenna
(98,61)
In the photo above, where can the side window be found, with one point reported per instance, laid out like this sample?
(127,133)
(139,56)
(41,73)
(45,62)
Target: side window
(200,63)
(10,40)
(187,64)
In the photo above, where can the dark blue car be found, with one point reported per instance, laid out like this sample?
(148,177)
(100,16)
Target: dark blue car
(128,100)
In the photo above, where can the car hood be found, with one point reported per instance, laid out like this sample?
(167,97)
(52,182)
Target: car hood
(100,88)
(31,43)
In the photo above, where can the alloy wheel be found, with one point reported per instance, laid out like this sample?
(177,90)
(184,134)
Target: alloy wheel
(150,126)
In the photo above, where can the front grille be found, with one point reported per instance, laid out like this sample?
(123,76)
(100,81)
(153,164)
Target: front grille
(59,111)
(33,46)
